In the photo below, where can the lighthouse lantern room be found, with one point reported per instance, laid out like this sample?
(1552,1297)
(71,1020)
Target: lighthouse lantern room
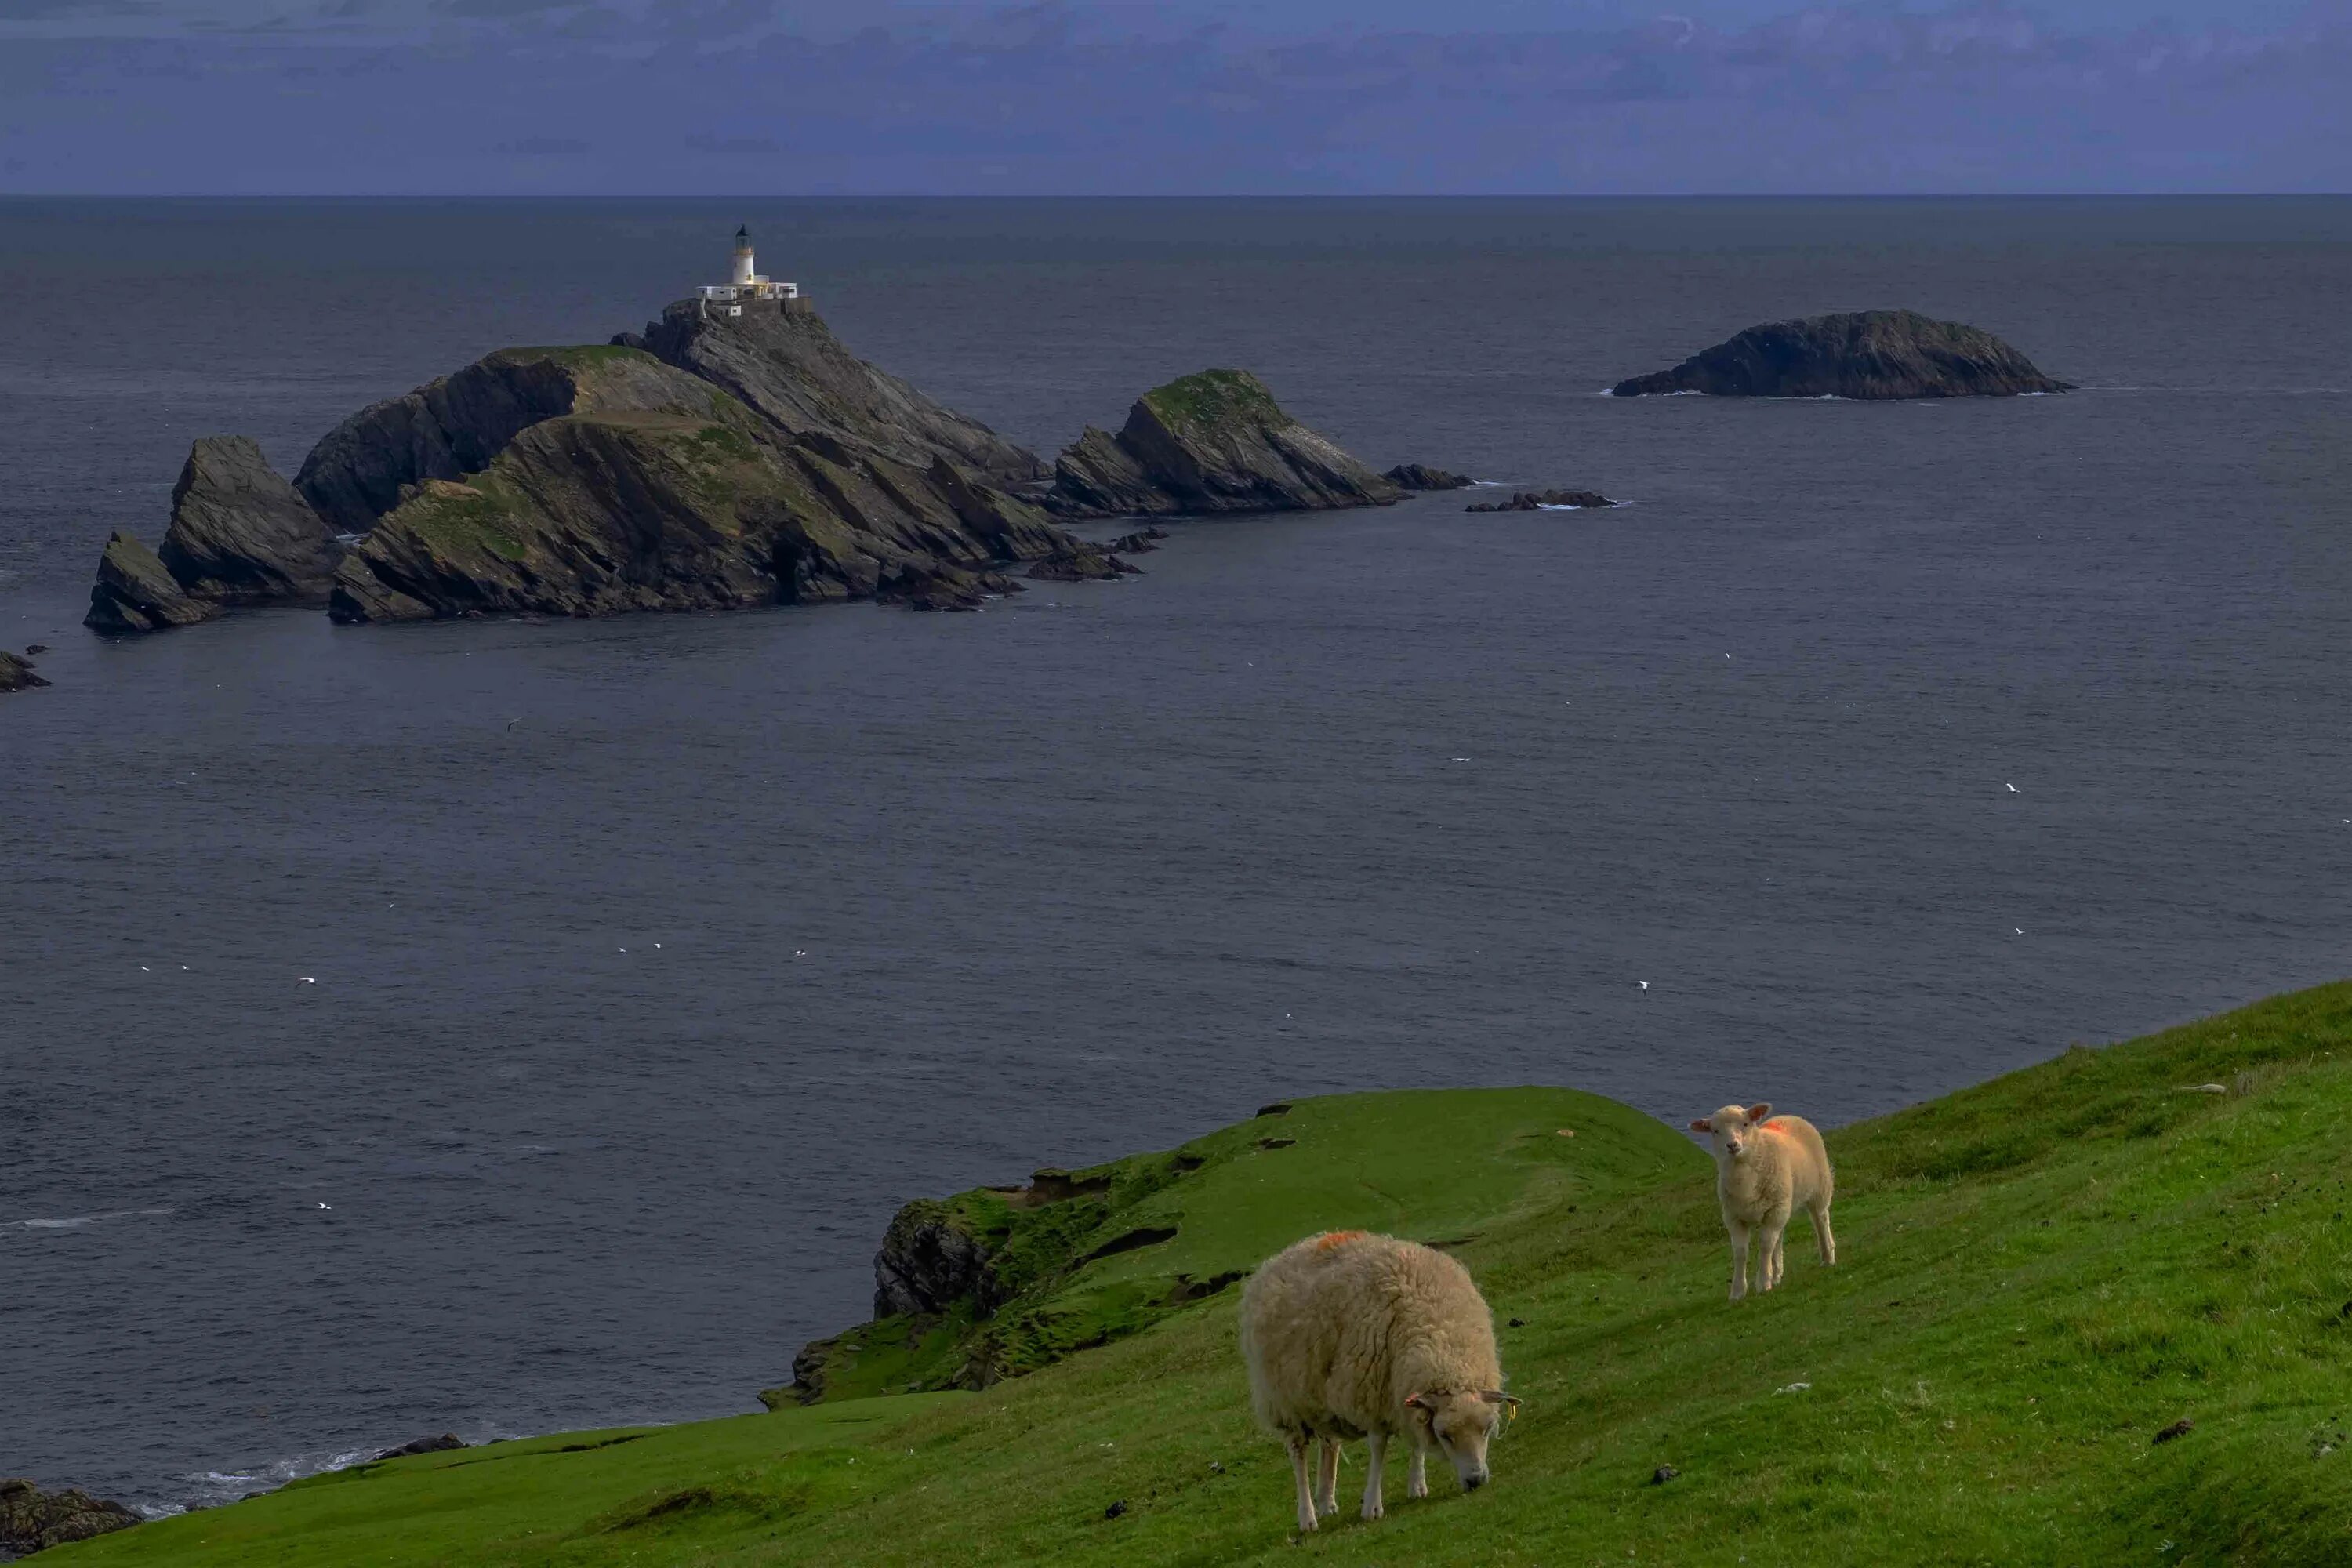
(746,284)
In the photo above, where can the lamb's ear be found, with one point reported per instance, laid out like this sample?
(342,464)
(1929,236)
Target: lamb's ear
(1702,1125)
(1496,1396)
(1759,1110)
(1426,1401)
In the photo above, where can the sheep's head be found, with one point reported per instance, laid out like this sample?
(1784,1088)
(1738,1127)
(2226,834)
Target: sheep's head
(1460,1425)
(1732,1127)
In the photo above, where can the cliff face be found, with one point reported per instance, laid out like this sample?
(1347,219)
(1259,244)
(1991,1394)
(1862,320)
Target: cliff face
(794,372)
(240,534)
(453,426)
(1214,441)
(1861,354)
(595,514)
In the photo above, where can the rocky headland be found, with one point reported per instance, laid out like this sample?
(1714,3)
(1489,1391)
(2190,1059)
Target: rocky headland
(1862,354)
(1214,441)
(16,673)
(33,1520)
(1544,501)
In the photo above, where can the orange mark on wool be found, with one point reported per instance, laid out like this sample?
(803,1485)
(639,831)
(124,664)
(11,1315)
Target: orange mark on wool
(1331,1238)
(1776,1125)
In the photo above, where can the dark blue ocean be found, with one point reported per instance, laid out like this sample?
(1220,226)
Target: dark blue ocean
(1893,745)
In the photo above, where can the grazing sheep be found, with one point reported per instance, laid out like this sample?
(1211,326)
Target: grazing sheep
(1766,1168)
(1353,1335)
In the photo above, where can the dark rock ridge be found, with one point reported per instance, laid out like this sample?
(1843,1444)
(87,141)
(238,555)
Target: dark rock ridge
(1859,354)
(444,1444)
(789,369)
(33,1520)
(16,674)
(1537,501)
(240,535)
(1214,441)
(134,593)
(1420,476)
(454,427)
(589,514)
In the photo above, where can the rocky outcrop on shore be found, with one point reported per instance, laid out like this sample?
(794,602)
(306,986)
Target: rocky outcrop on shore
(1864,355)
(1422,476)
(1215,441)
(16,673)
(33,1520)
(791,370)
(1544,501)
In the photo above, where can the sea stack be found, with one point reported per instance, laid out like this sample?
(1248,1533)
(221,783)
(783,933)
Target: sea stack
(240,535)
(1214,441)
(1862,354)
(16,674)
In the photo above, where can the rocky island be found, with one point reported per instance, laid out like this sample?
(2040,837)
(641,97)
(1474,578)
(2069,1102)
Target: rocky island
(1863,354)
(1545,500)
(1214,441)
(722,459)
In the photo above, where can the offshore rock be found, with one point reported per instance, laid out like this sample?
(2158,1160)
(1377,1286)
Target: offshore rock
(240,534)
(1541,500)
(1083,563)
(1214,441)
(1420,476)
(454,427)
(792,369)
(32,1521)
(134,593)
(597,514)
(16,674)
(1860,354)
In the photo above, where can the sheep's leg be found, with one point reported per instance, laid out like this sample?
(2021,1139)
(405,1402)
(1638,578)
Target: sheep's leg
(1326,1479)
(1373,1505)
(1767,1267)
(1738,1261)
(1416,1474)
(1299,1474)
(1822,1236)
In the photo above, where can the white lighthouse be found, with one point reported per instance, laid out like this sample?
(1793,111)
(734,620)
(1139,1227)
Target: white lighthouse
(746,284)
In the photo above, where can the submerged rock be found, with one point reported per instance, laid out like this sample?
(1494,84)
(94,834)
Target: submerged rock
(32,1521)
(1857,355)
(16,674)
(1420,476)
(1538,500)
(136,592)
(1214,441)
(242,535)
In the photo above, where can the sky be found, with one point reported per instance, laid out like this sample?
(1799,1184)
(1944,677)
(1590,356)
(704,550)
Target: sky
(1169,97)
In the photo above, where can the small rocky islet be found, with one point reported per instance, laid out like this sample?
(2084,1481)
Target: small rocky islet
(718,460)
(16,672)
(1865,355)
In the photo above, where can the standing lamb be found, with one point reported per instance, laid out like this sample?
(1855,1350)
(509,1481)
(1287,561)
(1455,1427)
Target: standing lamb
(1766,1168)
(1353,1335)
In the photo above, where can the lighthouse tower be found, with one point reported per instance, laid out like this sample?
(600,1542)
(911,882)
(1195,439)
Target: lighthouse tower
(747,285)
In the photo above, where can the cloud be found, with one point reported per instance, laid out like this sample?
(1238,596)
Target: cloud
(1853,99)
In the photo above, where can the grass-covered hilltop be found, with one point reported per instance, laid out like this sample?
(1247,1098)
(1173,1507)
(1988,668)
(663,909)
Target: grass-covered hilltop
(2039,1279)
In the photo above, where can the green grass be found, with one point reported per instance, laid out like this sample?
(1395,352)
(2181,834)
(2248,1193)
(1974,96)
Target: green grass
(1435,1164)
(1211,399)
(2037,1276)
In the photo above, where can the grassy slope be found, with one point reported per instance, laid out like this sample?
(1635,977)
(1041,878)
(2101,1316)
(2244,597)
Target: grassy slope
(2038,1275)
(1438,1165)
